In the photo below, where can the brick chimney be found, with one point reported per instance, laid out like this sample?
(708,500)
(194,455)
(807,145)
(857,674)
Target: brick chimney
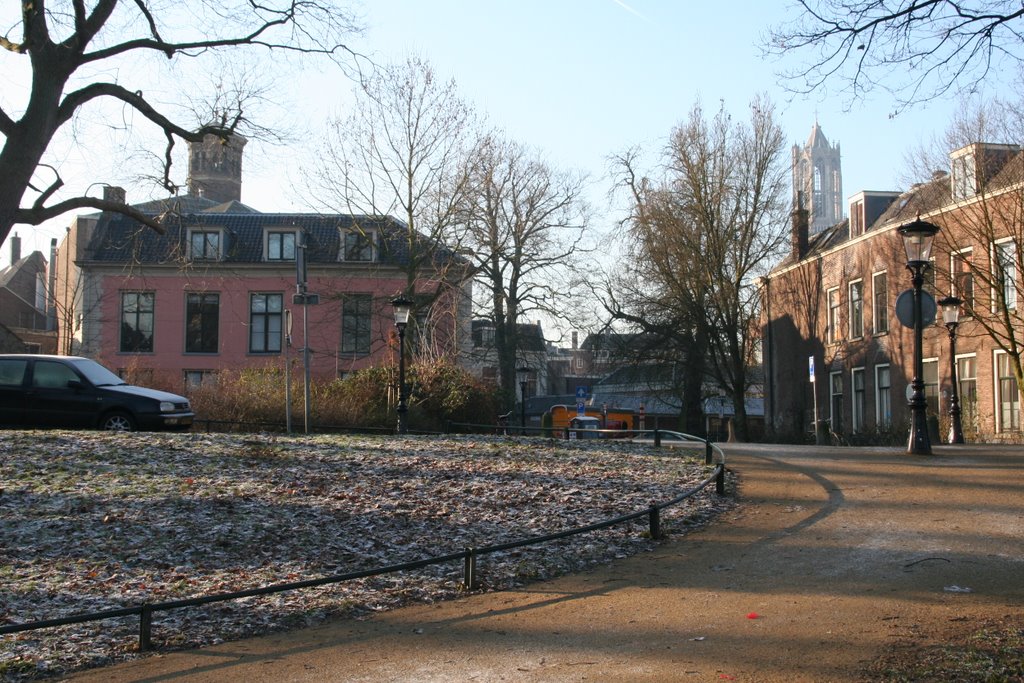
(801,227)
(112,193)
(15,248)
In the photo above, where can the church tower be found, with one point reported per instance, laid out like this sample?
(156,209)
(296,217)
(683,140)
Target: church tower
(215,168)
(818,180)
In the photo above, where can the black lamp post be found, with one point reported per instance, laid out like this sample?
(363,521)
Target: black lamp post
(917,239)
(951,316)
(524,378)
(402,309)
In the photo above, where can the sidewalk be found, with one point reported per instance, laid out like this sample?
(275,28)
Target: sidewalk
(839,553)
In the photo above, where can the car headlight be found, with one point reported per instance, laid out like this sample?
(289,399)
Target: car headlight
(166,407)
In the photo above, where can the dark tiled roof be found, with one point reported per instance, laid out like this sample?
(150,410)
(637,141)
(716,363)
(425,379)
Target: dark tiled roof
(119,239)
(531,335)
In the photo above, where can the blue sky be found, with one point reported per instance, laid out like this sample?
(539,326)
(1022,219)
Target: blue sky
(583,79)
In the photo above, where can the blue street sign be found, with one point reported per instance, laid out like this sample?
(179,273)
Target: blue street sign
(581,393)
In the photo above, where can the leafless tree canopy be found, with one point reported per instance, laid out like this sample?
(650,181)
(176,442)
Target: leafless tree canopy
(700,237)
(915,49)
(402,152)
(78,52)
(524,224)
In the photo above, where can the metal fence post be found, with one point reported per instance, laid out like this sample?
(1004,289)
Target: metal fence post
(720,480)
(145,629)
(469,581)
(657,438)
(708,457)
(655,521)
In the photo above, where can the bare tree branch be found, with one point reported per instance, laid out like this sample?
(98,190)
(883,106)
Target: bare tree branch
(939,46)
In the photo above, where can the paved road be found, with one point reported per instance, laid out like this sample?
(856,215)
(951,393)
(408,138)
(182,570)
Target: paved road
(839,553)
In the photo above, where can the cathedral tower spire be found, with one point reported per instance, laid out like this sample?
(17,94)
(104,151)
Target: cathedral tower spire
(818,180)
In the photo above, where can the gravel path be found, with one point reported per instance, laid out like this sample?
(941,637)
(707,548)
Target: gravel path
(838,565)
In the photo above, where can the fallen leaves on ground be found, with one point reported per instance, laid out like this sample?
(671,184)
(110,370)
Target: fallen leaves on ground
(96,521)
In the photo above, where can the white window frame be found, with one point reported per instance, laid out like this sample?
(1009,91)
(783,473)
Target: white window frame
(280,231)
(832,316)
(965,255)
(1011,303)
(937,384)
(875,317)
(858,404)
(832,397)
(883,419)
(959,379)
(369,235)
(855,334)
(205,231)
(997,396)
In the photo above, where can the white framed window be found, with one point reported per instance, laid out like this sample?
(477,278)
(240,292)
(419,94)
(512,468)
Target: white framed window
(963,175)
(883,396)
(962,277)
(279,245)
(1004,273)
(357,245)
(835,404)
(857,380)
(266,322)
(967,386)
(856,309)
(1007,394)
(204,245)
(832,333)
(880,302)
(930,366)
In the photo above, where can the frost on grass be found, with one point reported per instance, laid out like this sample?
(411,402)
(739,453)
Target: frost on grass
(96,521)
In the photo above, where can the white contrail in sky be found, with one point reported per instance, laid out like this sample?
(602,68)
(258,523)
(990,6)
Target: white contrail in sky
(629,9)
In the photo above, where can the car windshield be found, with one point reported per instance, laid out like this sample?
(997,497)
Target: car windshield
(97,374)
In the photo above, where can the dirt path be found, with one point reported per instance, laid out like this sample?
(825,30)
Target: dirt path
(835,555)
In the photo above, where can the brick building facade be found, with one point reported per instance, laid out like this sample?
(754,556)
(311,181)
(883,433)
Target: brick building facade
(834,298)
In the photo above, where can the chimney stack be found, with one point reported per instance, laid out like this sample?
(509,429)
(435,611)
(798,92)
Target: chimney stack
(15,248)
(801,227)
(112,193)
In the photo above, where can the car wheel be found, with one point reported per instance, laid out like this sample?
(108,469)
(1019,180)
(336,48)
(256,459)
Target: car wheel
(118,422)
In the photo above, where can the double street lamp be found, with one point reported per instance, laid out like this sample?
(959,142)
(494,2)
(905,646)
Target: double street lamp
(524,380)
(951,316)
(917,240)
(403,307)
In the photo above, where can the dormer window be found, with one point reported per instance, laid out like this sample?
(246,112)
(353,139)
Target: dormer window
(279,245)
(357,246)
(963,174)
(204,245)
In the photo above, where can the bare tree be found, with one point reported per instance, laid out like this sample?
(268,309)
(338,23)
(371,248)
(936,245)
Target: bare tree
(402,152)
(67,44)
(983,249)
(702,235)
(915,49)
(524,225)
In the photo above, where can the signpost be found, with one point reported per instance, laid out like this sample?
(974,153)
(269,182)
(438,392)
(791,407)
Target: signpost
(814,399)
(581,401)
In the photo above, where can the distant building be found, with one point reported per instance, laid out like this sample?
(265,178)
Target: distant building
(219,288)
(833,300)
(818,180)
(26,320)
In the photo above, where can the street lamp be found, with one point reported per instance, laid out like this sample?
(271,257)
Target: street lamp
(402,309)
(917,240)
(951,316)
(524,378)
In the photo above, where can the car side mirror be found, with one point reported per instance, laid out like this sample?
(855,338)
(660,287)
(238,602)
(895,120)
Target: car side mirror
(75,384)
